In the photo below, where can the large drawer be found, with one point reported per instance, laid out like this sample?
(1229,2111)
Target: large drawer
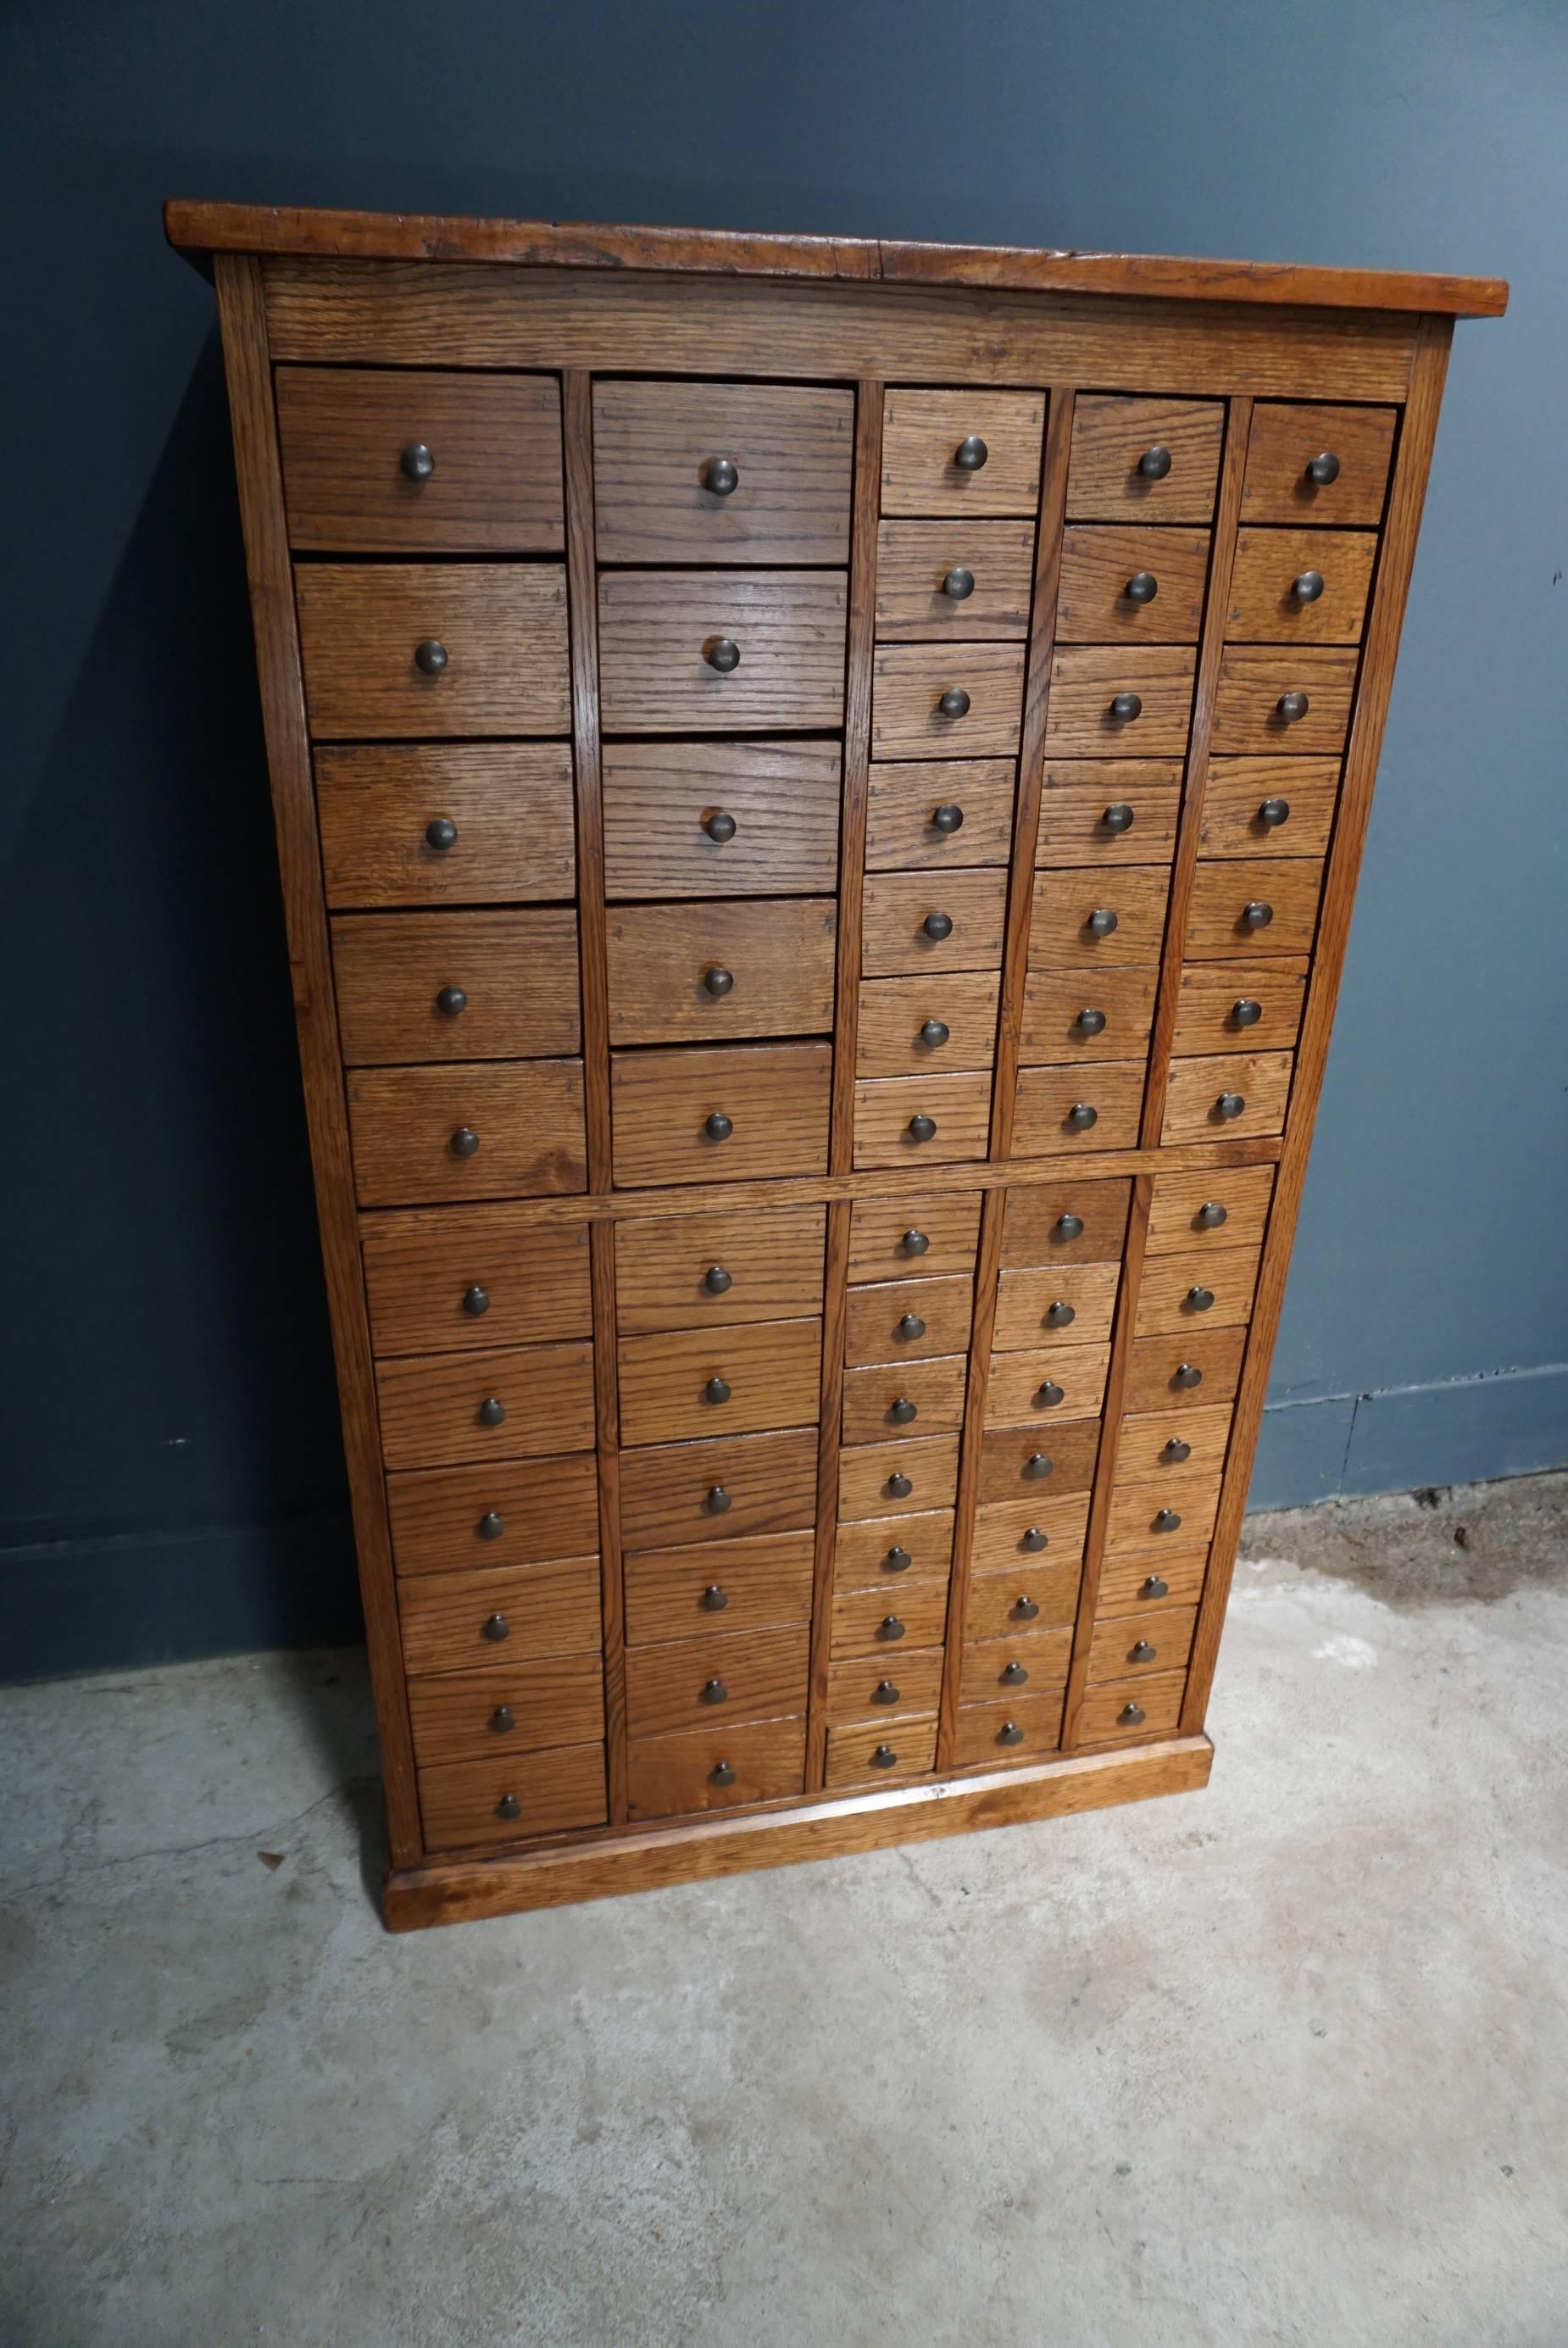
(1095,811)
(906,1026)
(1155,460)
(946,701)
(937,580)
(962,452)
(518,1706)
(408,649)
(1111,701)
(973,801)
(713,1270)
(705,972)
(502,1799)
(457,986)
(465,1621)
(460,1278)
(1093,1107)
(430,823)
(721,650)
(678,1493)
(516,1402)
(494,1514)
(938,1119)
(689,1383)
(729,1114)
(735,1585)
(478,1129)
(703,819)
(721,472)
(1131,582)
(718,1766)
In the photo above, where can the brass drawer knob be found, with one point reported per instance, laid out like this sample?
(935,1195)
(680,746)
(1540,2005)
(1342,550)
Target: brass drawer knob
(1118,818)
(1081,1116)
(1125,706)
(1034,1540)
(1167,1522)
(1256,914)
(910,1324)
(719,826)
(1131,1716)
(1060,1315)
(898,1561)
(1293,707)
(934,1033)
(970,454)
(716,1280)
(465,1142)
(1210,1215)
(1175,1452)
(1199,1300)
(430,657)
(937,926)
(1141,1654)
(440,833)
(1012,1676)
(451,1002)
(1187,1375)
(1307,586)
(1142,587)
(904,1411)
(1153,1587)
(1089,1021)
(959,584)
(496,1628)
(718,981)
(898,1485)
(1024,1609)
(1102,922)
(1246,1012)
(883,1757)
(503,1720)
(954,702)
(717,1500)
(1068,1226)
(1037,1465)
(491,1525)
(1009,1733)
(1272,813)
(889,1628)
(886,1692)
(721,1773)
(1321,470)
(720,478)
(475,1301)
(921,1128)
(914,1242)
(492,1411)
(714,1599)
(948,817)
(417,461)
(723,654)
(1048,1396)
(508,1807)
(713,1691)
(1230,1105)
(718,1127)
(715,1390)
(1154,464)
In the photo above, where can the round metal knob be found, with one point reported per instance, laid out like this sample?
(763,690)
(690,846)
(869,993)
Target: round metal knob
(1037,1465)
(1256,914)
(1307,586)
(1118,818)
(492,1411)
(1175,1452)
(1154,464)
(1060,1315)
(1102,922)
(491,1525)
(417,461)
(1292,707)
(1081,1116)
(464,1142)
(970,454)
(441,833)
(1210,1215)
(898,1485)
(713,1691)
(1012,1676)
(508,1807)
(723,654)
(934,1033)
(498,1628)
(1034,1540)
(1153,1587)
(1273,813)
(1142,1653)
(1009,1733)
(715,1390)
(886,1692)
(714,1599)
(716,1280)
(718,981)
(1048,1396)
(430,657)
(1199,1300)
(914,1243)
(948,817)
(1166,1520)
(717,1501)
(954,702)
(938,926)
(721,1773)
(1131,1716)
(1321,470)
(475,1301)
(1125,706)
(1024,1609)
(451,1002)
(1246,1011)
(1187,1375)
(1068,1226)
(897,1560)
(1230,1105)
(720,826)
(718,1127)
(1090,1022)
(883,1757)
(959,583)
(910,1326)
(503,1720)
(889,1628)
(921,1128)
(1142,587)
(902,1412)
(720,477)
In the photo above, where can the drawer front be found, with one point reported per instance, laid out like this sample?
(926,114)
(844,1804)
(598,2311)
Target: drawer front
(883,1755)
(864,1691)
(706,819)
(929,922)
(1096,811)
(521,1707)
(1300,586)
(430,823)
(355,445)
(1219,1207)
(973,799)
(1109,478)
(1269,806)
(690,1683)
(456,987)
(1193,1286)
(471,1622)
(713,1270)
(499,1800)
(1266,906)
(1240,1007)
(727,1115)
(906,1026)
(882,1479)
(509,1128)
(1020,1731)
(1261,687)
(658,628)
(1127,1711)
(1065,1220)
(493,1514)
(924,433)
(1174,1510)
(967,579)
(1083,1014)
(470,1278)
(1091,712)
(501,626)
(1089,921)
(1143,1582)
(1154,1448)
(904,1121)
(721,472)
(1030,1659)
(1242,1096)
(910,683)
(886,1623)
(684,1492)
(518,1402)
(885,1235)
(703,973)
(904,1320)
(1066,1305)
(681,1383)
(924,1397)
(1185,1373)
(1129,583)
(1029,1592)
(1154,1643)
(1040,1389)
(1016,1462)
(894,1550)
(1094,1107)
(740,1586)
(1040,1536)
(1285,439)
(715,1767)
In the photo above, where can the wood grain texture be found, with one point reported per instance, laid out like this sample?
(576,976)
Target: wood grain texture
(552,1700)
(1075,794)
(1287,888)
(1284,441)
(1142,1515)
(1252,680)
(872,1395)
(658,627)
(1099,559)
(858,658)
(777,954)
(897,906)
(1067,1219)
(1087,678)
(908,681)
(671,1381)
(1020,1728)
(460,1800)
(885,1623)
(1065,1304)
(959,1106)
(1028,1662)
(879,1691)
(1138,1582)
(1010,1589)
(879,1322)
(914,559)
(1133,896)
(1119,1711)
(1121,1649)
(889,1753)
(1241,1192)
(449,1620)
(548,1508)
(1259,1080)
(671,1493)
(1141,1452)
(686,1682)
(1046,1098)
(792,447)
(886,1554)
(922,433)
(776,1097)
(510,804)
(528,1115)
(670,1777)
(1154,1380)
(1210,993)
(516,969)
(1113,433)
(1039,1537)
(503,626)
(781,797)
(1236,788)
(420,1268)
(831,1400)
(1046,1385)
(430,1405)
(1053,1031)
(1014,1464)
(880,1230)
(867,1488)
(900,834)
(672,1593)
(1263,607)
(772,1262)
(577,442)
(1167,1304)
(895,1013)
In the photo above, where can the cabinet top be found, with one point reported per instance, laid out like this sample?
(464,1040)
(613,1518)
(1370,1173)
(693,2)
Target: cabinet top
(281,229)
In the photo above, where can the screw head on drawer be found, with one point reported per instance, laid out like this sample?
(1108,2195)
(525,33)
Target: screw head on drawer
(898,1561)
(883,1757)
(1059,1315)
(1102,922)
(1024,1609)
(948,817)
(1199,1300)
(502,1720)
(1131,1716)
(921,1128)
(430,657)
(954,702)
(914,1242)
(1323,469)
(451,1002)
(1174,1452)
(717,1390)
(970,454)
(1090,1022)
(491,1525)
(1307,586)
(889,1628)
(1272,813)
(508,1807)
(938,926)
(440,833)
(1186,1374)
(1154,464)
(719,826)
(721,1773)
(1293,707)
(1067,1227)
(902,1411)
(417,461)
(1153,1587)
(886,1692)
(1210,1215)
(464,1142)
(1048,1396)
(1012,1674)
(720,477)
(718,1127)
(1081,1116)
(714,1599)
(1118,818)
(1230,1105)
(1256,914)
(1142,1652)
(717,1501)
(1246,1011)
(492,1411)
(713,1691)
(1125,706)
(959,584)
(716,1280)
(1166,1520)
(1142,587)
(498,1628)
(1009,1733)
(718,981)
(1038,1464)
(898,1485)
(723,654)
(1034,1539)
(934,1033)
(910,1326)
(475,1301)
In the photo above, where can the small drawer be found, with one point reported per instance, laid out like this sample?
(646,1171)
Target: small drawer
(1266,906)
(928,923)
(884,1479)
(1107,701)
(1063,1304)
(1041,1534)
(521,1706)
(1022,1731)
(975,801)
(1218,1206)
(679,1384)
(739,1585)
(1300,586)
(1143,1582)
(1316,464)
(903,1320)
(516,1402)
(479,1129)
(887,1623)
(465,1279)
(1130,583)
(906,1026)
(1185,1373)
(962,452)
(1207,1287)
(866,1690)
(703,973)
(886,1235)
(924,1397)
(411,649)
(1131,1711)
(1037,1389)
(721,472)
(1023,1592)
(1033,1660)
(903,1120)
(745,1675)
(935,580)
(1087,1015)
(946,701)
(456,987)
(1236,1097)
(1117,466)
(1092,1108)
(429,823)
(1291,699)
(1087,921)
(719,652)
(1096,811)
(715,1767)
(465,1621)
(888,1550)
(1268,807)
(882,1755)
(1065,1220)
(714,1270)
(737,1484)
(706,819)
(1148,1449)
(1126,1650)
(1016,1462)
(414,461)
(493,1514)
(500,1799)
(722,1114)
(1240,1007)
(1173,1510)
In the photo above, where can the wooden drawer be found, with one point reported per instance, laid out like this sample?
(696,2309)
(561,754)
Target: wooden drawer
(1048,1118)
(1035,1535)
(470,1622)
(1066,1305)
(1028,1590)
(1159,1445)
(1089,921)
(1199,1101)
(518,1124)
(1218,1206)
(880,1479)
(1272,598)
(894,1550)
(1174,1509)
(1128,1711)
(869,1689)
(923,432)
(680,1384)
(715,1767)
(461,1278)
(908,1024)
(893,1113)
(670,1112)
(503,811)
(457,986)
(883,1755)
(1111,437)
(1141,796)
(1300,794)
(1266,906)
(1033,1660)
(909,682)
(745,1675)
(494,1514)
(1065,1220)
(522,1706)
(713,1270)
(657,628)
(1085,679)
(904,1320)
(1101,565)
(515,1402)
(885,1234)
(1197,1286)
(902,801)
(785,498)
(886,1623)
(1249,718)
(500,626)
(1143,1582)
(916,559)
(1283,442)
(719,1490)
(926,1397)
(1022,1731)
(500,1800)
(931,922)
(773,807)
(1240,1007)
(1152,1643)
(353,442)
(702,974)
(1160,1376)
(1016,1462)
(1082,1014)
(1035,1389)
(739,1585)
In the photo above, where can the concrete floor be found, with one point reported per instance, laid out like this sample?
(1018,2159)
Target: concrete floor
(1282,2063)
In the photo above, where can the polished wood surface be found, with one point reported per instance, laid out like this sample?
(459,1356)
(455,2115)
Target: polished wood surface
(1284,441)
(915,560)
(781,797)
(514,1402)
(502,627)
(1112,434)
(1100,561)
(777,954)
(903,797)
(437,1280)
(898,906)
(453,1621)
(510,805)
(527,1115)
(909,682)
(674,1593)
(516,972)
(446,1518)
(766,1267)
(774,1096)
(658,627)
(790,450)
(694,1383)
(927,1464)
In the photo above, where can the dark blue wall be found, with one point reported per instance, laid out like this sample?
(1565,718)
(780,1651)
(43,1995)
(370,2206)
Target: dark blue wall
(171,1480)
